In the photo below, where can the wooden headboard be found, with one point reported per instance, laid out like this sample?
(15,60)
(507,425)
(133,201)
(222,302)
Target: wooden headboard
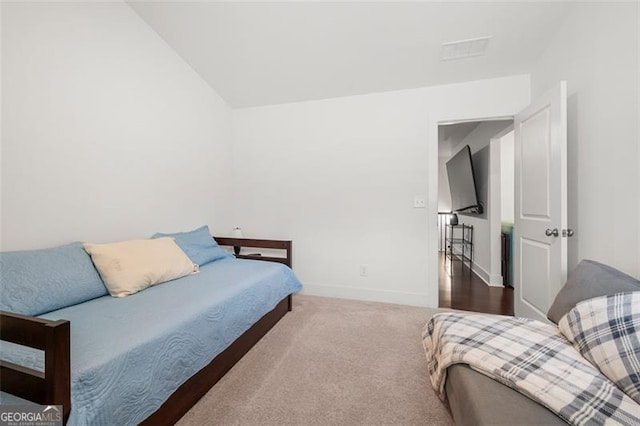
(285,245)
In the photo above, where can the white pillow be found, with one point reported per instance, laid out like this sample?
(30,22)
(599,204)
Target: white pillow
(130,266)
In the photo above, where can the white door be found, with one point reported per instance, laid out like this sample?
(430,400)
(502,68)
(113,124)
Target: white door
(540,249)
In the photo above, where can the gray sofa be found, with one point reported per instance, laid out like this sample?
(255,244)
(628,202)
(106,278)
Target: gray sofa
(475,399)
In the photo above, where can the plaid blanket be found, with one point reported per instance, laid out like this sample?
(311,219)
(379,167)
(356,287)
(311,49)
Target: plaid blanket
(531,357)
(606,331)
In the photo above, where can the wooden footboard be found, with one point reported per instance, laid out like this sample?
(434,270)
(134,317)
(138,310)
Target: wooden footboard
(187,395)
(51,387)
(198,385)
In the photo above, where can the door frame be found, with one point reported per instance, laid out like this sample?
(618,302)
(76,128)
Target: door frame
(495,201)
(433,296)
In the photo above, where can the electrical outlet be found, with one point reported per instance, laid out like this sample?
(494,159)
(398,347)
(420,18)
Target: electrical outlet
(364,270)
(419,202)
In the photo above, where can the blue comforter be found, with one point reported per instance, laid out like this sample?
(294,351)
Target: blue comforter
(129,354)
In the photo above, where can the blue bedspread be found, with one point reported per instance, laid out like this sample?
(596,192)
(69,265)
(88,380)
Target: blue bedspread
(129,354)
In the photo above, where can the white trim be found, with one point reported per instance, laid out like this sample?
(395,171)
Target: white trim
(506,131)
(489,279)
(495,207)
(481,272)
(433,242)
(474,120)
(353,293)
(494,210)
(495,281)
(492,280)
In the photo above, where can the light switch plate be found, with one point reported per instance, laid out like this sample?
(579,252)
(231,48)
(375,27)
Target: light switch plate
(364,271)
(419,202)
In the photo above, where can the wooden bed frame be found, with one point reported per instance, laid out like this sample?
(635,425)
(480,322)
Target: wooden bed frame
(53,387)
(253,243)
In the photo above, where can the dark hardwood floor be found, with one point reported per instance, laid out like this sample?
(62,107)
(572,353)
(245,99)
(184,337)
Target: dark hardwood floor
(466,291)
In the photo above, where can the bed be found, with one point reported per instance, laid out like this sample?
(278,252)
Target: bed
(149,357)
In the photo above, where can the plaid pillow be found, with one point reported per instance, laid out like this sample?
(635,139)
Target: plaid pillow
(606,331)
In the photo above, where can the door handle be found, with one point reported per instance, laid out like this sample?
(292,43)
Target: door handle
(567,232)
(552,232)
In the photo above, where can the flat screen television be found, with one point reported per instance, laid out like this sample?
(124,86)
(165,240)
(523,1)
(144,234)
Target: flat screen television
(462,184)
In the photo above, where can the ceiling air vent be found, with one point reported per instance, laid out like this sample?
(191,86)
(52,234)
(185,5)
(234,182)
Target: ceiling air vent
(464,48)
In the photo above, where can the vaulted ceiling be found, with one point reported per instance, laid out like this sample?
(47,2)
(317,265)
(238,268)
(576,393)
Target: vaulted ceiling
(274,52)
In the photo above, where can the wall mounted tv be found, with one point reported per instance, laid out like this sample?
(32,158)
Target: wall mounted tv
(462,184)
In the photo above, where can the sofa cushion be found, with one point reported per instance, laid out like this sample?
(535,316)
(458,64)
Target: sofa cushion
(590,279)
(34,282)
(127,267)
(198,244)
(606,331)
(476,399)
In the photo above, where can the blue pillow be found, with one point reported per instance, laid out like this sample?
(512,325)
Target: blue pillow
(35,282)
(199,245)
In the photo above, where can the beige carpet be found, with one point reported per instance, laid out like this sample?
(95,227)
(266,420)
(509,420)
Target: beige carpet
(330,361)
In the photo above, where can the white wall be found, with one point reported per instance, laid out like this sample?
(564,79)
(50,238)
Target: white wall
(107,133)
(596,51)
(338,177)
(507,177)
(486,262)
(444,193)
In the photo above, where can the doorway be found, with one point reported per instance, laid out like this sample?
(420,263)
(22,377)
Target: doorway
(472,273)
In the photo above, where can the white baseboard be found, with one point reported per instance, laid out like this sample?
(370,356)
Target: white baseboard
(496,281)
(490,280)
(481,272)
(369,295)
